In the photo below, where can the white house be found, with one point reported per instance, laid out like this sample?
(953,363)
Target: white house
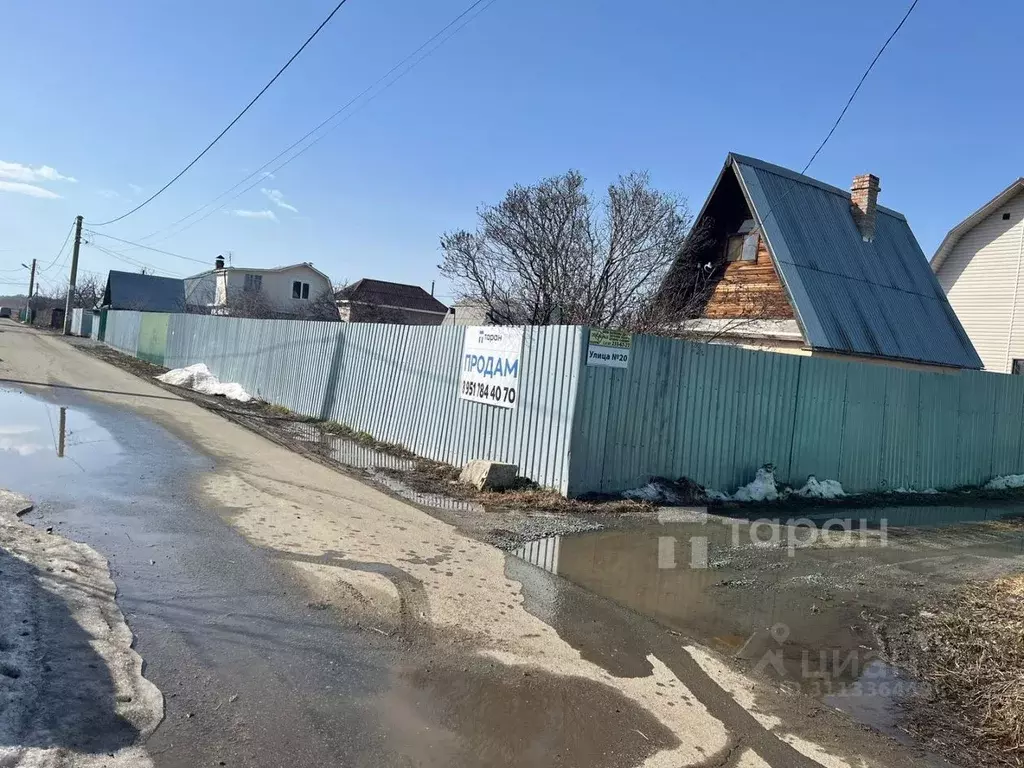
(281,291)
(978,265)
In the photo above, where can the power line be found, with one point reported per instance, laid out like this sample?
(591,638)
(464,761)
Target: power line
(147,247)
(859,84)
(229,125)
(342,109)
(835,125)
(63,246)
(133,262)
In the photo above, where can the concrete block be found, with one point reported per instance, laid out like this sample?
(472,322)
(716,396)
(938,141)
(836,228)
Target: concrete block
(489,475)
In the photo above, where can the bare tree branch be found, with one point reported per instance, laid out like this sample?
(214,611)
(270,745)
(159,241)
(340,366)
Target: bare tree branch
(548,254)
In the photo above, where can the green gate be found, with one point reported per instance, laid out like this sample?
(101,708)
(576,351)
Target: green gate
(153,337)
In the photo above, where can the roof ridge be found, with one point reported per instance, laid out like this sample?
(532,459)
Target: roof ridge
(802,178)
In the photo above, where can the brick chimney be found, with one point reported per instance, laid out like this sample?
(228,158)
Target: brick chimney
(218,263)
(864,204)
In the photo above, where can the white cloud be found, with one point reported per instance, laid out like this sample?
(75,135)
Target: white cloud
(276,196)
(27,189)
(270,215)
(268,175)
(107,193)
(135,188)
(26,173)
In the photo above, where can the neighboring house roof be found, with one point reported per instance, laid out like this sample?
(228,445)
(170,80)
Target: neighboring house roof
(146,293)
(381,293)
(877,298)
(264,270)
(953,236)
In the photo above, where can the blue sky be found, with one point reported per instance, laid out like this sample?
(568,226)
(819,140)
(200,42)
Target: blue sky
(120,95)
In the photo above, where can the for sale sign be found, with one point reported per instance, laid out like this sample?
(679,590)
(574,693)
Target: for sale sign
(491,365)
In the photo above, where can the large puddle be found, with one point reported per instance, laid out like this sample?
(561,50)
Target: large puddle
(41,440)
(804,612)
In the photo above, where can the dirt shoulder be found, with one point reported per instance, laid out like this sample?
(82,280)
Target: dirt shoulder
(503,519)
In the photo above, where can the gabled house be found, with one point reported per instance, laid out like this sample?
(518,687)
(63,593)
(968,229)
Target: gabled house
(285,292)
(978,265)
(787,263)
(379,301)
(143,293)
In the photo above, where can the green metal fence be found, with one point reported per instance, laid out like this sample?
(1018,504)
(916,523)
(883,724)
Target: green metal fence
(715,413)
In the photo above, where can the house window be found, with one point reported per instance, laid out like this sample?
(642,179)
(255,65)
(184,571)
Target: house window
(1018,367)
(300,290)
(253,283)
(734,248)
(743,245)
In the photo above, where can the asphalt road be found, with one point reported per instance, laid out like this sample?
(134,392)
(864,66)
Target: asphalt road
(295,617)
(251,675)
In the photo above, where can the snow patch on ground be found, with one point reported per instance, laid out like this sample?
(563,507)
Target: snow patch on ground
(199,379)
(654,492)
(901,489)
(1005,482)
(761,488)
(820,489)
(72,694)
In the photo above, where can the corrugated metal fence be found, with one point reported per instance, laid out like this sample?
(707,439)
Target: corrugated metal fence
(715,413)
(712,413)
(398,383)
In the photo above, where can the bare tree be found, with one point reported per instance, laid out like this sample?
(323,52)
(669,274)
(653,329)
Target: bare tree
(88,292)
(548,253)
(252,303)
(323,307)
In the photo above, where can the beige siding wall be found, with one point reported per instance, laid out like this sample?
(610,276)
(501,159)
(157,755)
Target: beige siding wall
(980,276)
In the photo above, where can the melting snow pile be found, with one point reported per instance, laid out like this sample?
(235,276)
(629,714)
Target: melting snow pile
(820,489)
(199,379)
(661,490)
(762,488)
(1005,482)
(654,492)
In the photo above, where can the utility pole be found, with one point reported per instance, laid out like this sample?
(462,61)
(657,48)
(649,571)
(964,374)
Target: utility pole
(73,280)
(31,289)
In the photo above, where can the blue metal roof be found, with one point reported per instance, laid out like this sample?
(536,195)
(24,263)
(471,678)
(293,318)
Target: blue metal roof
(878,298)
(146,293)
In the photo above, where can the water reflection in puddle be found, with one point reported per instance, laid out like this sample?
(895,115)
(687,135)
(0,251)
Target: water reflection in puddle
(352,454)
(802,618)
(40,437)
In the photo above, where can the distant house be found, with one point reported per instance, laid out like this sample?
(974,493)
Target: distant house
(978,265)
(144,293)
(468,312)
(791,264)
(277,292)
(378,301)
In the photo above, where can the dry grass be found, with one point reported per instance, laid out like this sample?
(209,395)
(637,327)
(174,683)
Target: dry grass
(972,662)
(552,501)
